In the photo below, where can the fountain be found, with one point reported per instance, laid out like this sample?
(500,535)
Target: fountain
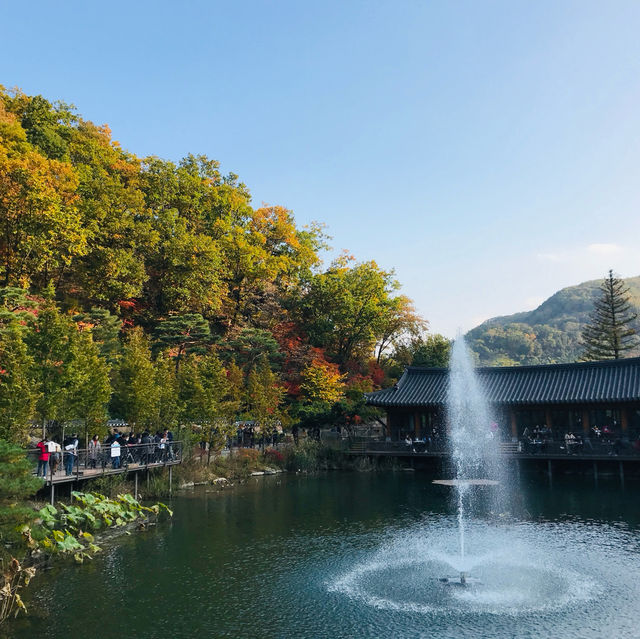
(502,565)
(473,445)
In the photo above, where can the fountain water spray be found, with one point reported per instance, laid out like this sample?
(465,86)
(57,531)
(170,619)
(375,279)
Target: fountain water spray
(473,439)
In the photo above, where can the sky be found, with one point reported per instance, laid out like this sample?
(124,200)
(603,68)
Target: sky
(486,151)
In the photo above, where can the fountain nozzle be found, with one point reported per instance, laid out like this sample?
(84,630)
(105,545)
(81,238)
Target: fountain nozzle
(463,578)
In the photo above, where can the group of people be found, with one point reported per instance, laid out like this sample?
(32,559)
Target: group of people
(51,453)
(117,449)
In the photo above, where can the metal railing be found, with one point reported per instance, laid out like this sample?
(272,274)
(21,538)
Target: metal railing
(585,448)
(85,463)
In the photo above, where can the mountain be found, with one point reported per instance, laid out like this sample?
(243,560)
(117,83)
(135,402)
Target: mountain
(547,335)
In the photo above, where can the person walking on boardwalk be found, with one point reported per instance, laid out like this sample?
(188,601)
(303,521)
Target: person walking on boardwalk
(94,451)
(43,457)
(70,453)
(55,455)
(115,453)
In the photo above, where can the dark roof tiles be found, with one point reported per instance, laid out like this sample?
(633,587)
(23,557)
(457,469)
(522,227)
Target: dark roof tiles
(583,382)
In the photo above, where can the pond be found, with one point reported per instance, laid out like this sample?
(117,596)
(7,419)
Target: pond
(346,555)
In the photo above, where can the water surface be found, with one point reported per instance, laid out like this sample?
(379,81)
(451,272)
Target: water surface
(358,555)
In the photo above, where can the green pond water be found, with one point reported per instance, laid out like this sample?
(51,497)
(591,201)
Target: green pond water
(347,555)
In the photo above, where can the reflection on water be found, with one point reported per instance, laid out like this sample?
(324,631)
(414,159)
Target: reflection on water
(358,555)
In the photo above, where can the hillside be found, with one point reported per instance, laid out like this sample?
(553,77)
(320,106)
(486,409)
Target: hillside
(546,335)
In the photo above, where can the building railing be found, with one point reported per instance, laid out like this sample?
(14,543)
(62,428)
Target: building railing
(581,448)
(88,462)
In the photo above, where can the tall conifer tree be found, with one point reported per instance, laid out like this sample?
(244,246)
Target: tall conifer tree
(609,332)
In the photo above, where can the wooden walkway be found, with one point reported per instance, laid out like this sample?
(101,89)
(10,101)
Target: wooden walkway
(60,477)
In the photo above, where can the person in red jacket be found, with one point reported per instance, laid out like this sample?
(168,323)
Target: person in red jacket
(43,458)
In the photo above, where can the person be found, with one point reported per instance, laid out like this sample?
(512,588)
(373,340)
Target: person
(94,451)
(55,455)
(70,453)
(115,453)
(295,433)
(169,437)
(570,442)
(147,448)
(43,457)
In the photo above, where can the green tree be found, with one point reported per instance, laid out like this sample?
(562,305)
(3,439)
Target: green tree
(183,334)
(88,383)
(169,406)
(50,346)
(264,398)
(18,393)
(136,393)
(609,333)
(345,309)
(105,331)
(17,484)
(432,350)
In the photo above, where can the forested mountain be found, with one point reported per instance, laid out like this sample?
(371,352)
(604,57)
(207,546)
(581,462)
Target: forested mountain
(549,334)
(156,292)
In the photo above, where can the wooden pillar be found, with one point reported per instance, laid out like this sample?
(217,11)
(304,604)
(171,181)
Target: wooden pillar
(417,426)
(547,418)
(135,493)
(170,479)
(514,423)
(585,420)
(624,419)
(53,492)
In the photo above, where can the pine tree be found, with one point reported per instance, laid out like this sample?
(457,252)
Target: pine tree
(609,332)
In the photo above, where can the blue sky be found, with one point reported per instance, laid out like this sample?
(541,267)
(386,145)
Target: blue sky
(487,151)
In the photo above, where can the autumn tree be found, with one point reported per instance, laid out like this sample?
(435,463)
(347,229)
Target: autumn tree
(400,321)
(345,309)
(610,333)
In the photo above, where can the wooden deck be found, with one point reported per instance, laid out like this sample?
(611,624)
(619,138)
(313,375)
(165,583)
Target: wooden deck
(60,477)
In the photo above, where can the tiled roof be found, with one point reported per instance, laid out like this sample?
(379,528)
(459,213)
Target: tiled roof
(584,382)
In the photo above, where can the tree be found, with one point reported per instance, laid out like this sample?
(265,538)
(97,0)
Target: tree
(18,392)
(345,309)
(432,350)
(264,397)
(17,485)
(184,334)
(400,320)
(88,384)
(136,394)
(49,345)
(169,406)
(609,333)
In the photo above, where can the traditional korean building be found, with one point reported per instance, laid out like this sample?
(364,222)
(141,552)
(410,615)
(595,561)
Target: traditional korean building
(563,397)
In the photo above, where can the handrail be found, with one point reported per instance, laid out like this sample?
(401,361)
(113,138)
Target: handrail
(89,462)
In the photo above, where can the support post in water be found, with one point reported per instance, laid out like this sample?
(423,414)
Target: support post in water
(135,483)
(170,478)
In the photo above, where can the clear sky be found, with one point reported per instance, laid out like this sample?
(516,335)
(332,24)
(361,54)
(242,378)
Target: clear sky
(488,151)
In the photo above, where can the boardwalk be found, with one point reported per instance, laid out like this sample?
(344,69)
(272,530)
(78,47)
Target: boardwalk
(131,459)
